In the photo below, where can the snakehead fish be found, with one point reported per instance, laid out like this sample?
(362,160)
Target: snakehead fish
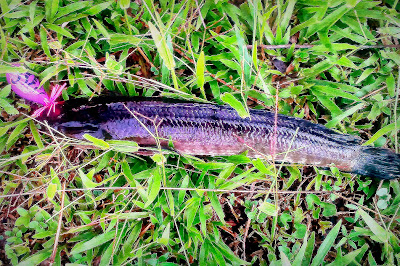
(206,129)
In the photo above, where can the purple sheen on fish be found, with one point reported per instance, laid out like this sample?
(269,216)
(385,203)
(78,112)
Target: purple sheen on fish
(27,86)
(212,130)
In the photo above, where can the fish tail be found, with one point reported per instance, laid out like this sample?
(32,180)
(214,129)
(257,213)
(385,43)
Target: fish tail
(378,162)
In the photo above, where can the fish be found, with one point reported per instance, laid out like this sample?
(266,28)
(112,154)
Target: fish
(203,129)
(206,129)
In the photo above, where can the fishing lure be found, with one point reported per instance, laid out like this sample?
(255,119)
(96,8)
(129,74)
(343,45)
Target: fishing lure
(27,86)
(206,129)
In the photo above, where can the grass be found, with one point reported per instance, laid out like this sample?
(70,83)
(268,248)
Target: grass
(331,62)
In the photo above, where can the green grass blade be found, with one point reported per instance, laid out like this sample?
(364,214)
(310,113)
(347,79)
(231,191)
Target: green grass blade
(162,46)
(345,114)
(200,67)
(300,255)
(92,243)
(228,98)
(37,258)
(59,30)
(97,142)
(378,230)
(51,7)
(386,129)
(326,245)
(216,205)
(154,186)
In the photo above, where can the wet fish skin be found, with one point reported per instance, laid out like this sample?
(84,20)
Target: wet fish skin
(206,129)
